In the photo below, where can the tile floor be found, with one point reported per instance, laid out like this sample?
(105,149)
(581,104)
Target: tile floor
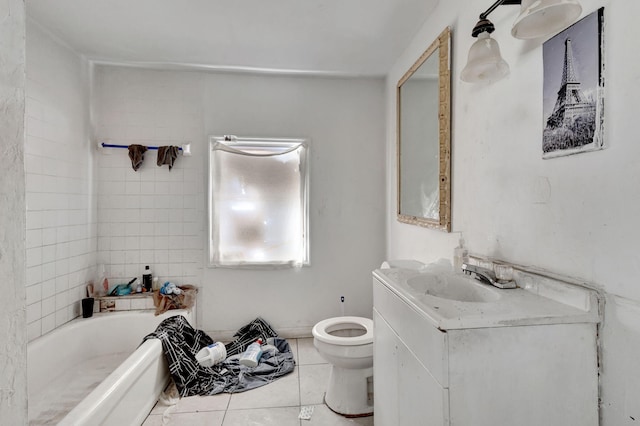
(275,404)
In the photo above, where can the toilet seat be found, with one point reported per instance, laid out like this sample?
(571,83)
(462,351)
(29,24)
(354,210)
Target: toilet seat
(322,330)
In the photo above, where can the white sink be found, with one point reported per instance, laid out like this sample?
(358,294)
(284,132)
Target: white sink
(453,287)
(456,301)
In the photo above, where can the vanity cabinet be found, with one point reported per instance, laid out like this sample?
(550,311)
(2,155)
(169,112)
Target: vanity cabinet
(502,375)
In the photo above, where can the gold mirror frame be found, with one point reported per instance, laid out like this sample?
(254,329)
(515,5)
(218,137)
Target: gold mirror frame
(441,45)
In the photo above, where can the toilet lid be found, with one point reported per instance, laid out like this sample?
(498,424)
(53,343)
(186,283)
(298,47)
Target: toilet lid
(322,331)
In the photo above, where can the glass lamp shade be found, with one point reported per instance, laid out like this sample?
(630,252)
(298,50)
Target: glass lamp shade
(484,63)
(539,18)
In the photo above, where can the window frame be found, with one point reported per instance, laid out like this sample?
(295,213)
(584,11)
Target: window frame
(233,143)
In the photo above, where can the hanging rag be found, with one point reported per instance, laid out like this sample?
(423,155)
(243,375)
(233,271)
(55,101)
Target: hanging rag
(167,155)
(136,153)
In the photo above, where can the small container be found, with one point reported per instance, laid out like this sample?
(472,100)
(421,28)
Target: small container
(251,356)
(147,279)
(212,354)
(87,307)
(155,286)
(460,256)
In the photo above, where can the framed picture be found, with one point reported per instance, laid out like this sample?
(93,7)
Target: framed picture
(574,89)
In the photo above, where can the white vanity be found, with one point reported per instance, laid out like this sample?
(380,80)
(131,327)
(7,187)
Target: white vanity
(449,350)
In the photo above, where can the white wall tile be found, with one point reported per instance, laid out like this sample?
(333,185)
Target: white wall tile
(34,312)
(123,304)
(34,275)
(34,330)
(48,289)
(34,256)
(139,303)
(62,300)
(33,238)
(48,323)
(33,294)
(48,305)
(62,283)
(49,268)
(62,316)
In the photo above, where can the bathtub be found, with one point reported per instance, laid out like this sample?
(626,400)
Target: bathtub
(93,371)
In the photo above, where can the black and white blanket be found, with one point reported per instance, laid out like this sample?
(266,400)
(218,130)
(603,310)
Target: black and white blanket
(181,343)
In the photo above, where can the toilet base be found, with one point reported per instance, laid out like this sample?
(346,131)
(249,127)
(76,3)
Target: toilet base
(350,391)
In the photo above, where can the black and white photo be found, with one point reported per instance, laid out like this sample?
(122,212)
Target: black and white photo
(574,89)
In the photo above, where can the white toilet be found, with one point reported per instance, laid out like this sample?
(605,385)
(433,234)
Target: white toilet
(347,343)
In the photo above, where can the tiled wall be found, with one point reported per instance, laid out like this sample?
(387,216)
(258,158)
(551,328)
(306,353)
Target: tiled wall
(61,217)
(152,216)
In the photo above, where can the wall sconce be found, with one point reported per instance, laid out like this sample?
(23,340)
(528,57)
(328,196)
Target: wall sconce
(537,18)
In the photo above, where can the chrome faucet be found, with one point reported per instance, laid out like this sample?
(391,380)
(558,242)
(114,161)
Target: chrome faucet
(487,276)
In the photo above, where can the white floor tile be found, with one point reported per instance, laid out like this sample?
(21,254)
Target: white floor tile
(293,344)
(275,404)
(313,383)
(323,416)
(284,392)
(282,416)
(207,418)
(193,404)
(308,353)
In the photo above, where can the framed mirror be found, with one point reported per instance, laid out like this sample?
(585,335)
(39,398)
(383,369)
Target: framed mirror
(424,138)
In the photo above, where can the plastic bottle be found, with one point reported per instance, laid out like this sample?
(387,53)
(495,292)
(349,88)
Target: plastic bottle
(252,355)
(103,282)
(155,286)
(212,354)
(147,279)
(460,256)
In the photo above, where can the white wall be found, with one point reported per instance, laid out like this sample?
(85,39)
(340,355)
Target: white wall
(61,216)
(574,215)
(344,120)
(158,217)
(13,351)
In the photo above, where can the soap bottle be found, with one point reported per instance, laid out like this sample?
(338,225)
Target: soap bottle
(147,279)
(252,355)
(460,256)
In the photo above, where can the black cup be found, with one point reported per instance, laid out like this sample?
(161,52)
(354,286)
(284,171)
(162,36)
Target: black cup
(87,307)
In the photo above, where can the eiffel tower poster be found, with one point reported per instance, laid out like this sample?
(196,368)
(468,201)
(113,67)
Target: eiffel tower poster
(574,89)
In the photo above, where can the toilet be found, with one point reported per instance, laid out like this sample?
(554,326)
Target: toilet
(347,344)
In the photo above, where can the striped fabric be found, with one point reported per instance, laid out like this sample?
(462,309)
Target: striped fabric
(256,329)
(181,343)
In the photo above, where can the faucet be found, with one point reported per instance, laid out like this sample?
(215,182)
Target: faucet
(487,276)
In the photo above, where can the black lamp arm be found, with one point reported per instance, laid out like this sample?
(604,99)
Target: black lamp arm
(495,5)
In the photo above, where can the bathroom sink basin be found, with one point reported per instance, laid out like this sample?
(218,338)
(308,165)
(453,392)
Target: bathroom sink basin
(453,301)
(452,287)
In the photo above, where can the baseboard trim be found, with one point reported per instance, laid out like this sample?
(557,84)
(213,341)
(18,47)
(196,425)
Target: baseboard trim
(285,333)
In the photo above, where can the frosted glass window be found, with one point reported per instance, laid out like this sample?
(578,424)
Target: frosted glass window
(258,212)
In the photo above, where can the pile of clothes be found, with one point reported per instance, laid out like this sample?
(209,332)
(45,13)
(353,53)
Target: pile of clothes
(181,343)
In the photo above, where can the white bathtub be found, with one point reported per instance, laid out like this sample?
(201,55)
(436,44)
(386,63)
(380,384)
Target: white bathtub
(94,371)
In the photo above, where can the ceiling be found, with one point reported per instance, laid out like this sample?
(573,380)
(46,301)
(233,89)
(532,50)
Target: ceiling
(343,37)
